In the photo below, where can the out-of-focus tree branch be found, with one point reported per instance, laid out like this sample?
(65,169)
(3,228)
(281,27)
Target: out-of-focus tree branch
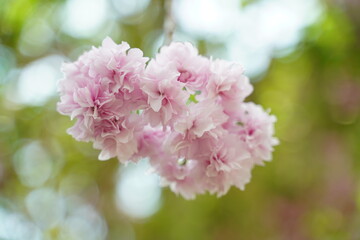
(169,23)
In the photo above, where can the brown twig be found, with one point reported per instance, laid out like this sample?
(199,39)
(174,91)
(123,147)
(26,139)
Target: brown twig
(169,23)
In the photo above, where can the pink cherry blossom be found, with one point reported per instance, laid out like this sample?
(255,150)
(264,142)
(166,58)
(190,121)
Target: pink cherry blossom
(181,175)
(203,117)
(184,112)
(254,127)
(227,165)
(100,90)
(228,83)
(118,137)
(150,142)
(166,97)
(193,69)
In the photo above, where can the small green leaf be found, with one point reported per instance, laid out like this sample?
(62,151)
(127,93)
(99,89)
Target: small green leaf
(192,98)
(182,161)
(239,123)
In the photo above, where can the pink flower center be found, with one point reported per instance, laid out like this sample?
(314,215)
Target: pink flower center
(164,101)
(184,76)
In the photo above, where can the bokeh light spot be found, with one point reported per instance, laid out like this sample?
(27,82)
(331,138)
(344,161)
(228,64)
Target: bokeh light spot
(46,207)
(84,18)
(37,81)
(33,165)
(138,193)
(15,226)
(126,8)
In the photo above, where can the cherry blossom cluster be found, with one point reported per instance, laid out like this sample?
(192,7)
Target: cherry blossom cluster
(184,112)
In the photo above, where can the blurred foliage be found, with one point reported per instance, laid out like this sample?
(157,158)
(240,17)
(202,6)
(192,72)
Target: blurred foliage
(311,189)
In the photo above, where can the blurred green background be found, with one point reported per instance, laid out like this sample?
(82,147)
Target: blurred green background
(303,57)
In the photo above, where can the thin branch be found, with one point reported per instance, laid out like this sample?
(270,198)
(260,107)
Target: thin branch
(169,23)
